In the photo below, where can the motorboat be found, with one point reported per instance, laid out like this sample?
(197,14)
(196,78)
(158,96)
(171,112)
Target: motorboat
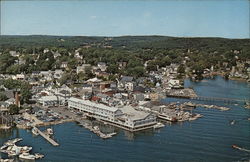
(6,160)
(35,131)
(3,147)
(39,156)
(13,141)
(50,131)
(27,156)
(158,125)
(25,149)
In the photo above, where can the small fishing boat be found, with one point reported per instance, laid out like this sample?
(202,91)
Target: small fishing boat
(27,156)
(35,131)
(13,141)
(25,149)
(50,131)
(3,147)
(38,156)
(240,148)
(232,122)
(158,125)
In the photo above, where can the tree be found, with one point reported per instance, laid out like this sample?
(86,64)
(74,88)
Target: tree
(24,87)
(3,97)
(6,60)
(151,66)
(181,69)
(13,109)
(113,69)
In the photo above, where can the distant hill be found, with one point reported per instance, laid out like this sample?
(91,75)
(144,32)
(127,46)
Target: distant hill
(123,41)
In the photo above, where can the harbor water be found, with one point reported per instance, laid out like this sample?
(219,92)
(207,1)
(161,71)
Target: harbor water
(207,139)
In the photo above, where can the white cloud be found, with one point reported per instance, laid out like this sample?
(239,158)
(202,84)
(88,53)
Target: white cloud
(93,17)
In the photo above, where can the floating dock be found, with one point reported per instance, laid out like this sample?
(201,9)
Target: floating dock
(50,140)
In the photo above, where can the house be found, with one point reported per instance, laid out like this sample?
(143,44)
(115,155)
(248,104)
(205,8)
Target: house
(56,54)
(174,83)
(35,73)
(87,87)
(87,95)
(45,50)
(20,76)
(82,68)
(102,74)
(102,66)
(104,98)
(64,65)
(77,55)
(10,101)
(126,82)
(129,86)
(122,64)
(138,96)
(58,73)
(14,53)
(4,105)
(21,61)
(51,101)
(46,76)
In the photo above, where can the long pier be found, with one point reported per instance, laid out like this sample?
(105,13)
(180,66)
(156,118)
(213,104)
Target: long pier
(217,99)
(50,140)
(212,99)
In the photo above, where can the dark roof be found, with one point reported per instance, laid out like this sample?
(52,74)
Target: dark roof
(139,89)
(127,79)
(101,63)
(64,92)
(9,93)
(86,85)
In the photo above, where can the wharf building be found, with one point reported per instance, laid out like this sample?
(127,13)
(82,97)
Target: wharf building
(124,117)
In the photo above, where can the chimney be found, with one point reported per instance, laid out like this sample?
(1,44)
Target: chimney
(17,99)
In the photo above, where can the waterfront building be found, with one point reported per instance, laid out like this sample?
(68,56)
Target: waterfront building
(95,110)
(124,117)
(51,100)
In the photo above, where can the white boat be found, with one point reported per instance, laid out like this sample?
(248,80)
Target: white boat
(27,156)
(35,131)
(158,125)
(39,156)
(50,131)
(96,128)
(3,147)
(13,141)
(25,149)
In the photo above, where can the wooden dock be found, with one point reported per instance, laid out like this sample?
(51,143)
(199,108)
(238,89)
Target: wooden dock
(211,99)
(217,99)
(50,140)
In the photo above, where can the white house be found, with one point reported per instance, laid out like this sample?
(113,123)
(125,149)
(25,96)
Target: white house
(102,66)
(51,100)
(82,68)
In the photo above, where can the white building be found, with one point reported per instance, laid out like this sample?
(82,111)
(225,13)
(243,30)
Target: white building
(126,117)
(137,119)
(51,100)
(96,110)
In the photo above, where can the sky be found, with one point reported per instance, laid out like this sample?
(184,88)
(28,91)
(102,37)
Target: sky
(189,18)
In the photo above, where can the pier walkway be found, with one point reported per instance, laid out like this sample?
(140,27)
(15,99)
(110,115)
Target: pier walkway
(217,99)
(211,99)
(50,140)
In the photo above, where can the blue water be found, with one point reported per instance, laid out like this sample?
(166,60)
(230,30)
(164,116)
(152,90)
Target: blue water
(206,139)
